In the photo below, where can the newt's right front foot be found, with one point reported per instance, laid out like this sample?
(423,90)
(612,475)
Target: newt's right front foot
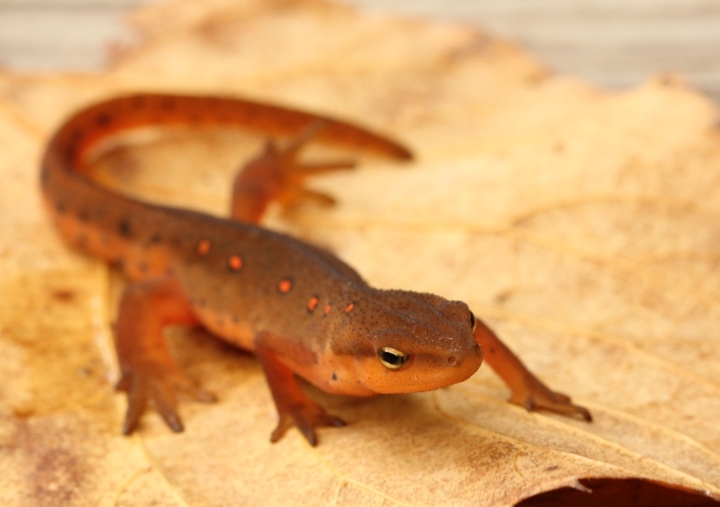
(294,407)
(305,416)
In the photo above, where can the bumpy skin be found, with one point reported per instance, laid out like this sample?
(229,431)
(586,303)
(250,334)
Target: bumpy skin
(300,309)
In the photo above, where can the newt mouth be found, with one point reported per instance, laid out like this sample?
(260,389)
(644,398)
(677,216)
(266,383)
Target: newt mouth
(424,375)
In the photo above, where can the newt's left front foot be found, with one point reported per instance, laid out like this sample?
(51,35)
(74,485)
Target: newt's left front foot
(527,390)
(537,396)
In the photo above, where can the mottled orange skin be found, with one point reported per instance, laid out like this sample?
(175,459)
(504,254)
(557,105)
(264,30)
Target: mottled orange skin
(299,308)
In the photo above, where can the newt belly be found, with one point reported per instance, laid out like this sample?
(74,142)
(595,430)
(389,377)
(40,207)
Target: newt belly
(300,309)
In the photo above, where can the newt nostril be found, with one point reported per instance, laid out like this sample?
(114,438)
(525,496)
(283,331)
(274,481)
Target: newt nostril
(452,361)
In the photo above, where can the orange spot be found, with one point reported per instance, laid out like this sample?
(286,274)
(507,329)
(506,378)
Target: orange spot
(327,309)
(349,307)
(235,262)
(203,246)
(312,304)
(284,286)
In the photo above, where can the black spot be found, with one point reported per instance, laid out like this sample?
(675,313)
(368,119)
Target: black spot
(143,267)
(235,319)
(119,263)
(103,119)
(45,176)
(124,228)
(64,295)
(155,238)
(334,376)
(201,302)
(60,207)
(82,240)
(84,215)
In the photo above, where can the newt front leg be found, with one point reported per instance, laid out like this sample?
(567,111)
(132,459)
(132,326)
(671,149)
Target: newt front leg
(294,407)
(527,390)
(277,175)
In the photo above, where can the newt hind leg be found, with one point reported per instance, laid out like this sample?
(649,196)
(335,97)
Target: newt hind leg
(277,175)
(149,373)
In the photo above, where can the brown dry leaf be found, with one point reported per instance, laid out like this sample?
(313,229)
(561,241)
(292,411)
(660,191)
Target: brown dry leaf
(582,225)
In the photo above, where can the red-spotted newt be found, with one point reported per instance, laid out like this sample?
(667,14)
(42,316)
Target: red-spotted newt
(301,310)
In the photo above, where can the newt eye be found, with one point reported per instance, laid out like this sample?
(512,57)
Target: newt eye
(473,323)
(391,358)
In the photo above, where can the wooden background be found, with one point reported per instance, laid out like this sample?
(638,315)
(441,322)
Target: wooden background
(613,43)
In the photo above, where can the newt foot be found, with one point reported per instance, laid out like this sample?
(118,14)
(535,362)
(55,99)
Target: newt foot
(306,418)
(540,397)
(162,389)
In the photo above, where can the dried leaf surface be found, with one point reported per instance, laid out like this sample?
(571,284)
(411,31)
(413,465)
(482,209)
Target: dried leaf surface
(581,224)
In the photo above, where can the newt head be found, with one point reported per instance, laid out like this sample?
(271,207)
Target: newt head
(419,342)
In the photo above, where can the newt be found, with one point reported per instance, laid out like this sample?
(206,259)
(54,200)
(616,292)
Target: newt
(301,310)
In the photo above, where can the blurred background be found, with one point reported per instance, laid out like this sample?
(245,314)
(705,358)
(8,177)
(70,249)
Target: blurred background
(612,43)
